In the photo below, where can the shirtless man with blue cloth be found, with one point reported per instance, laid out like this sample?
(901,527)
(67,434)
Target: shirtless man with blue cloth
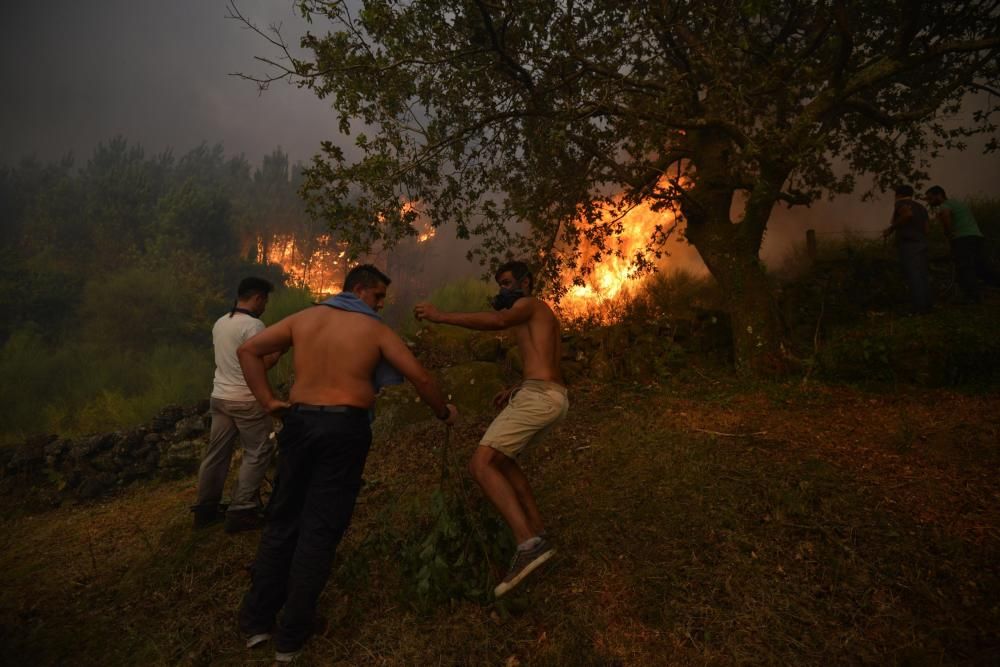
(531,409)
(343,353)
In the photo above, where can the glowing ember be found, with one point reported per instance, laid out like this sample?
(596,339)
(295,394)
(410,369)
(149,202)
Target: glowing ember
(611,278)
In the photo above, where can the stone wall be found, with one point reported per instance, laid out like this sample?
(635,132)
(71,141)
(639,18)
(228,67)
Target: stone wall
(51,469)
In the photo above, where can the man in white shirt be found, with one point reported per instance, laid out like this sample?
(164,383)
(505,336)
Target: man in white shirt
(236,413)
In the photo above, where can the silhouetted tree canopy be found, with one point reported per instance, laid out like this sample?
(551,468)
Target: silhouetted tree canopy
(518,121)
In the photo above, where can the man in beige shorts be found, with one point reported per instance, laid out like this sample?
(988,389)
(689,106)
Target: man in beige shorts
(532,408)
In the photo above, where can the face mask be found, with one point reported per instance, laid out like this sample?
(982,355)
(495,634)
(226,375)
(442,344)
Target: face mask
(506,298)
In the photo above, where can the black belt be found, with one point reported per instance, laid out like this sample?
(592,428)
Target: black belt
(329,409)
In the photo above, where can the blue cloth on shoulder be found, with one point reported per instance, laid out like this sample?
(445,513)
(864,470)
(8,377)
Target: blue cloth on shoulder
(385,373)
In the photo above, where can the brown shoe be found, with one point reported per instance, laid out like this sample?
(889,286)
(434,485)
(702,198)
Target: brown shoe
(238,521)
(206,515)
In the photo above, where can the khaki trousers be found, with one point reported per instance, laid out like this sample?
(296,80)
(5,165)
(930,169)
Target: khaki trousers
(247,421)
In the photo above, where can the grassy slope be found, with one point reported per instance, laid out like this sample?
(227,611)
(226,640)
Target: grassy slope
(848,528)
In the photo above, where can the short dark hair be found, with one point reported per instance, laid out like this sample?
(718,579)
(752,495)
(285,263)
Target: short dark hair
(903,190)
(252,286)
(936,190)
(520,271)
(365,275)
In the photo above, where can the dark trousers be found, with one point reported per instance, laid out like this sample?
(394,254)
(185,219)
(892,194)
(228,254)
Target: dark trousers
(972,265)
(913,259)
(320,460)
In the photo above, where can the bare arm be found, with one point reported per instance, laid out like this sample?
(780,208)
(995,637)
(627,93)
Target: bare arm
(519,313)
(394,351)
(253,355)
(271,359)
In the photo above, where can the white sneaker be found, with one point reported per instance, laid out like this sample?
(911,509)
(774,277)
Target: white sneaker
(286,656)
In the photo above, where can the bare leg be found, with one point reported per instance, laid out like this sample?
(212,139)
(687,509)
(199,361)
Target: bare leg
(485,468)
(517,480)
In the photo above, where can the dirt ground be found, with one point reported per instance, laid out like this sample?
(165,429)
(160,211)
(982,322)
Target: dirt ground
(699,521)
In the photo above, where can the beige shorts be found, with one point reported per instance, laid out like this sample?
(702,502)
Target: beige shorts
(534,408)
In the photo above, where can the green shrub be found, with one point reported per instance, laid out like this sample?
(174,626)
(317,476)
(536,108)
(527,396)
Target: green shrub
(33,375)
(79,387)
(465,295)
(941,349)
(450,545)
(456,551)
(107,411)
(143,304)
(286,301)
(676,293)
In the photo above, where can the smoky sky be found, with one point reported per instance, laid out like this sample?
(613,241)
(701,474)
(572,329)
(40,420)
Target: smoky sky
(73,74)
(157,73)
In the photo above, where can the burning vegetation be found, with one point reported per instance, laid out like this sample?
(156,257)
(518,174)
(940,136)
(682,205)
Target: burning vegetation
(317,264)
(615,267)
(320,263)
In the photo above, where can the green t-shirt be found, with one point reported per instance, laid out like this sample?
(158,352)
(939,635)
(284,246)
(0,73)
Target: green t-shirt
(962,220)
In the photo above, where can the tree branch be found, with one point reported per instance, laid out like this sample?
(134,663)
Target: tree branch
(881,70)
(516,69)
(795,198)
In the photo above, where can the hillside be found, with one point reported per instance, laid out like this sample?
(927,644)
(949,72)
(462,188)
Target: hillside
(698,522)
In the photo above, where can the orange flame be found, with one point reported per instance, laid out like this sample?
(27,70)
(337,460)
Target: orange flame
(319,264)
(428,233)
(423,227)
(613,277)
(319,268)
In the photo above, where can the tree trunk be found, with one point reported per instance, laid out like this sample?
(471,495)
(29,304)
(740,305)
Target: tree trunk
(758,335)
(731,253)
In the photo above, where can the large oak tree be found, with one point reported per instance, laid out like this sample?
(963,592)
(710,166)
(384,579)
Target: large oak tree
(521,123)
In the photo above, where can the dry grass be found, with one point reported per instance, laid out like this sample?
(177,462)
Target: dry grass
(857,528)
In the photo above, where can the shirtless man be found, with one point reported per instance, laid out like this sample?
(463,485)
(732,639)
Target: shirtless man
(339,346)
(531,409)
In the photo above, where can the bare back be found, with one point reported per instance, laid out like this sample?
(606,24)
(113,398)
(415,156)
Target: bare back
(336,352)
(540,343)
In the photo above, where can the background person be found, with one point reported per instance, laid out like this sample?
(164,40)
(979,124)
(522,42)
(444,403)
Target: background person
(236,414)
(968,247)
(909,224)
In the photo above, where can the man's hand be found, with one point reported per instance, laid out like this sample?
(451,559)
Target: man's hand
(276,407)
(452,415)
(426,311)
(503,397)
(887,232)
